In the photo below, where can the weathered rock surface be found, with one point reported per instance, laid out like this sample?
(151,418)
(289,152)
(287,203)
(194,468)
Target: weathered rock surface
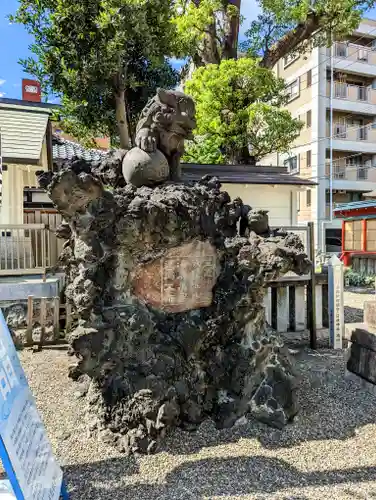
(362,353)
(168,285)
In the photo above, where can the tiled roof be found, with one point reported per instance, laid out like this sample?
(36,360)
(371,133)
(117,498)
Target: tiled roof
(234,174)
(243,174)
(62,149)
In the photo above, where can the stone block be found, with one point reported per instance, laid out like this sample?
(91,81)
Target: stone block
(362,353)
(181,280)
(362,336)
(370,314)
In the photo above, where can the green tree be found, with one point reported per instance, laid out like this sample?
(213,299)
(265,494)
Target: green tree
(99,55)
(208,29)
(239,111)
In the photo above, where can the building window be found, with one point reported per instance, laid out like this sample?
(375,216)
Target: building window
(309,78)
(309,158)
(308,197)
(353,235)
(290,58)
(292,165)
(293,89)
(309,118)
(341,49)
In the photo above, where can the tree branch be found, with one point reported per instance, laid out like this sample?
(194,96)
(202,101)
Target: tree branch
(291,40)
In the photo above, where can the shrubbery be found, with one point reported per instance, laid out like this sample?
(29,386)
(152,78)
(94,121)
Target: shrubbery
(353,278)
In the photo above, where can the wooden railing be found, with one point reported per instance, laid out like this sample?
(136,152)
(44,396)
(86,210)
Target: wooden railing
(288,306)
(25,249)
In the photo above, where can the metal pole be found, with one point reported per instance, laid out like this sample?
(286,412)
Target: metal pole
(331,131)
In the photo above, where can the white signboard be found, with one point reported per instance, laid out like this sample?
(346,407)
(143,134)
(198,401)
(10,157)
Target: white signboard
(6,491)
(24,447)
(336,306)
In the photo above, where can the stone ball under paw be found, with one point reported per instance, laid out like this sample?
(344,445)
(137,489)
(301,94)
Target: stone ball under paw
(145,169)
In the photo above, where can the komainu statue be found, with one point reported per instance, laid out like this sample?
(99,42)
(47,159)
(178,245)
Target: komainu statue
(166,121)
(167,284)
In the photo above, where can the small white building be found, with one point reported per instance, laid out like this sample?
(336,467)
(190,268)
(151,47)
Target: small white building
(263,188)
(25,148)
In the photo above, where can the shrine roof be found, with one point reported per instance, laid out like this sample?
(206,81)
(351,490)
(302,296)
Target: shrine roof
(63,149)
(355,208)
(244,174)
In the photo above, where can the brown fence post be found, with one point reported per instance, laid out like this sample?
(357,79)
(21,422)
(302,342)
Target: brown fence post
(311,289)
(56,317)
(43,314)
(30,310)
(68,317)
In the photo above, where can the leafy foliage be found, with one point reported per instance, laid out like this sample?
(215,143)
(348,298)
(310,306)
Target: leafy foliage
(207,30)
(238,108)
(353,278)
(204,150)
(285,26)
(99,53)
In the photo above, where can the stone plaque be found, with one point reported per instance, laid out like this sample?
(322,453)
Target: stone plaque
(181,280)
(370,314)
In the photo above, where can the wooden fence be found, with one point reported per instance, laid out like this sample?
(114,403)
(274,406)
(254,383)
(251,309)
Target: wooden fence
(289,306)
(59,314)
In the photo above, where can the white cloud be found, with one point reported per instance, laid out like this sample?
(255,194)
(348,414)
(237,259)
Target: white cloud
(2,82)
(2,94)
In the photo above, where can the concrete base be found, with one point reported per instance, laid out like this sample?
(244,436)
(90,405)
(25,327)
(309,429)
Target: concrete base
(20,287)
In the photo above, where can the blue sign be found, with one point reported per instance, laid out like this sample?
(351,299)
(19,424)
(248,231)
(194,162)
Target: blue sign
(25,450)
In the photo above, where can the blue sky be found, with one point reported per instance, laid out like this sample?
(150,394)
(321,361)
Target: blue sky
(14,44)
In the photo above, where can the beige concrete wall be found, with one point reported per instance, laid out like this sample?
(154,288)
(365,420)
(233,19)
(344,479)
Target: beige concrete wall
(305,210)
(279,200)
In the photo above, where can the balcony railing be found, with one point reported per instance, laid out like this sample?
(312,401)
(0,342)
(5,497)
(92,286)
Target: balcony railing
(25,249)
(366,133)
(354,52)
(355,172)
(353,93)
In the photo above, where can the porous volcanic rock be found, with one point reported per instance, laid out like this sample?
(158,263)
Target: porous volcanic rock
(168,285)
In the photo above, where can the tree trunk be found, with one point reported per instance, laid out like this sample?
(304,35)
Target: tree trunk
(241,157)
(121,119)
(209,52)
(291,40)
(230,49)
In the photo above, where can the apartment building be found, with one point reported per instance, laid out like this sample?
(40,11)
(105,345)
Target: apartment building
(353,143)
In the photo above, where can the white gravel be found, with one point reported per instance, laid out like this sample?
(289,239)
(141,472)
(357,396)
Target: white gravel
(329,452)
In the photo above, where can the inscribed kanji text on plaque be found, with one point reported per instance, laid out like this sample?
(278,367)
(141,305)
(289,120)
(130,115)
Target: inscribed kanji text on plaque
(181,280)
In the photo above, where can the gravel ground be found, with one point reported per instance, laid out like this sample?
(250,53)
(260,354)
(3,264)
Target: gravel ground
(354,299)
(328,452)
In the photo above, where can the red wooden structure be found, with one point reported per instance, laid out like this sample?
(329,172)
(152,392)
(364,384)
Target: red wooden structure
(358,229)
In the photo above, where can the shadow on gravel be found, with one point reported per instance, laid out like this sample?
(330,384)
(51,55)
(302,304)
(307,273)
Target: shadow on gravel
(353,314)
(215,477)
(331,407)
(360,290)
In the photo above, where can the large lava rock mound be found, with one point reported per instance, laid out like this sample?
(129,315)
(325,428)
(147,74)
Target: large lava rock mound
(168,286)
